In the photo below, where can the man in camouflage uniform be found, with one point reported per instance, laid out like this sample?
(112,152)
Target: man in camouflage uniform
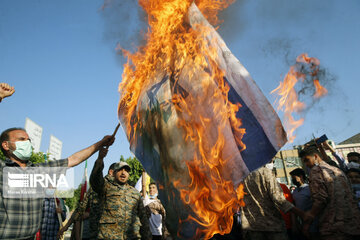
(333,201)
(123,216)
(90,202)
(260,217)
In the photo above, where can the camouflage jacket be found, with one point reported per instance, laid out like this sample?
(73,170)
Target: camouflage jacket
(123,214)
(263,200)
(331,191)
(92,203)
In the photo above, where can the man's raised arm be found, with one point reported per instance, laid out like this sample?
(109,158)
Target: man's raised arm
(96,177)
(84,154)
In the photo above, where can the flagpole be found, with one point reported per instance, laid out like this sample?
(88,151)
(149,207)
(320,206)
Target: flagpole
(58,215)
(143,183)
(114,133)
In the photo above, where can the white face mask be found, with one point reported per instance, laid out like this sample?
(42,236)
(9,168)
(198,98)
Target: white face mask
(23,150)
(270,166)
(153,196)
(49,192)
(353,165)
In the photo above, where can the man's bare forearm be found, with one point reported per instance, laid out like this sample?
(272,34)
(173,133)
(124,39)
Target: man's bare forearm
(313,213)
(84,154)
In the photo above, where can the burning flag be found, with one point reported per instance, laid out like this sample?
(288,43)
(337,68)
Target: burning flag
(194,117)
(304,71)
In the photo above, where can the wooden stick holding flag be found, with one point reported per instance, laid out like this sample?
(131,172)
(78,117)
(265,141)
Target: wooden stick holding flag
(116,129)
(114,133)
(58,215)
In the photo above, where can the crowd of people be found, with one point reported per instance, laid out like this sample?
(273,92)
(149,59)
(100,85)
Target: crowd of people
(117,210)
(324,202)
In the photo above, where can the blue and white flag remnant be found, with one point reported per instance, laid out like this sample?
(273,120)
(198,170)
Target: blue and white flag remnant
(186,135)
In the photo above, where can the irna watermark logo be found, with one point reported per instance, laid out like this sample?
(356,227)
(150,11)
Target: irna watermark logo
(33,182)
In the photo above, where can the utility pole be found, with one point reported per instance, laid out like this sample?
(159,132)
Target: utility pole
(285,170)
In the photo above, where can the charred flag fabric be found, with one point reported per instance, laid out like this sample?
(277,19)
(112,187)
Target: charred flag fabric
(165,149)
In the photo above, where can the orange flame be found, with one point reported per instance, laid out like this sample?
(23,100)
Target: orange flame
(171,46)
(212,198)
(320,91)
(288,101)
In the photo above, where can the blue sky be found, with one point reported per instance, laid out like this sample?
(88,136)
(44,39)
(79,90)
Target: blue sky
(60,56)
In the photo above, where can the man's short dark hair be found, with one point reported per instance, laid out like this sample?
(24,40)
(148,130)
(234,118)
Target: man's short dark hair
(353,154)
(298,172)
(152,184)
(309,151)
(355,170)
(112,166)
(5,137)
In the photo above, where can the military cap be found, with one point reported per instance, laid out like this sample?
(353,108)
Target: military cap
(121,165)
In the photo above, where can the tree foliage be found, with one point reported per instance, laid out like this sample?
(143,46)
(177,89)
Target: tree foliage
(72,202)
(2,156)
(39,157)
(136,169)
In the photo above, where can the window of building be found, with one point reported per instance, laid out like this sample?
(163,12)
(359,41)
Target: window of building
(278,163)
(293,162)
(282,180)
